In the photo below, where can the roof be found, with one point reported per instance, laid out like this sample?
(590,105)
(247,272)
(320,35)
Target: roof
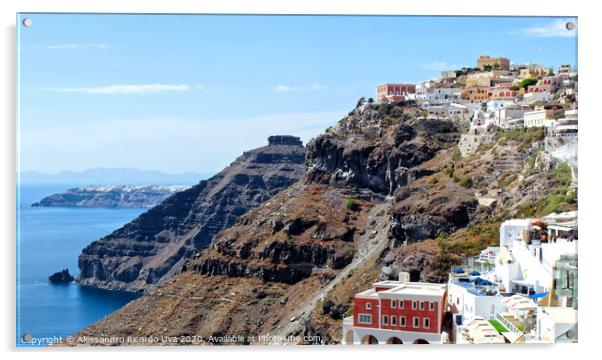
(407,288)
(518,302)
(480,331)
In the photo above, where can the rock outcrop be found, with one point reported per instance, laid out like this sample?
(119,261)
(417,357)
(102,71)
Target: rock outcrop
(128,196)
(376,148)
(153,247)
(61,277)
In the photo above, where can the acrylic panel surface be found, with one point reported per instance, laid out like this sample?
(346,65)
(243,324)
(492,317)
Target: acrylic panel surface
(251,179)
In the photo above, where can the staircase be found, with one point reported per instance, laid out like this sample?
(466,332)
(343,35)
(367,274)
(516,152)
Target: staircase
(509,162)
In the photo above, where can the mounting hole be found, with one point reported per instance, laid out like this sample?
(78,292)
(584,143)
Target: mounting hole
(570,25)
(27,22)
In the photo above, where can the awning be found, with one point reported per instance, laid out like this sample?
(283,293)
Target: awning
(523,283)
(538,295)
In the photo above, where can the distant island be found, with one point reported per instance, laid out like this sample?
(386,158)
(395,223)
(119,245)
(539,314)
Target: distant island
(127,196)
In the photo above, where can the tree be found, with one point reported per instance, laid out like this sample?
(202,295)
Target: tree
(496,66)
(526,82)
(487,67)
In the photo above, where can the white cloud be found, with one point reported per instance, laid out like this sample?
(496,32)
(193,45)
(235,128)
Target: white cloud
(77,46)
(128,89)
(553,29)
(288,88)
(438,65)
(165,144)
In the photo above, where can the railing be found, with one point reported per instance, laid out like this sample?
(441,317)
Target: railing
(507,324)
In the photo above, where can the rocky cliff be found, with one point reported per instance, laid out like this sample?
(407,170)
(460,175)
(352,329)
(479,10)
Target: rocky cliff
(129,196)
(153,247)
(384,191)
(277,260)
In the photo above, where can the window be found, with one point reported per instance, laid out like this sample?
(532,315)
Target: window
(432,305)
(393,304)
(385,320)
(365,319)
(422,305)
(414,305)
(427,323)
(416,322)
(368,306)
(402,321)
(393,320)
(401,304)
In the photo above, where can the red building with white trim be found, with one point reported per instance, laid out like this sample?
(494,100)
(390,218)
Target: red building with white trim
(397,312)
(394,92)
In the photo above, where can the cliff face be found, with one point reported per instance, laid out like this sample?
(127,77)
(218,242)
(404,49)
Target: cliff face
(376,149)
(278,260)
(130,196)
(153,247)
(383,192)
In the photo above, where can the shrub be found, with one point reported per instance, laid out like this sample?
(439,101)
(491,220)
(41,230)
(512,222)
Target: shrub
(563,174)
(466,182)
(351,204)
(526,82)
(444,128)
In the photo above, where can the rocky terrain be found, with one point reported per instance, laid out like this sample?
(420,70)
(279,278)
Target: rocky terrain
(128,196)
(384,191)
(61,277)
(153,247)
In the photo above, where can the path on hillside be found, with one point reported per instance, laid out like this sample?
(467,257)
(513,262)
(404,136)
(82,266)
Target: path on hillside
(574,176)
(367,249)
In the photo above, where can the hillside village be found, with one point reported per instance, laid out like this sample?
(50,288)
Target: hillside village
(524,288)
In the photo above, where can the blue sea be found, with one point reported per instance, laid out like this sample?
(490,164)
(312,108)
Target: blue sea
(49,240)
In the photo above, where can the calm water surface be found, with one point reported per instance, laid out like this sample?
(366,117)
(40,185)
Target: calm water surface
(49,240)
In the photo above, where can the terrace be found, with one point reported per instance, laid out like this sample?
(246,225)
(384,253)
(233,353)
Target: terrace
(475,284)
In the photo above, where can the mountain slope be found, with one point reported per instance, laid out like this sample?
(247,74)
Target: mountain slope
(153,247)
(384,191)
(278,258)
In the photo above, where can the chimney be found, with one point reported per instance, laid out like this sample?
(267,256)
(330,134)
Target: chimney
(404,277)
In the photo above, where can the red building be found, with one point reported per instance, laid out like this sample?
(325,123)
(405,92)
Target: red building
(397,312)
(394,92)
(503,91)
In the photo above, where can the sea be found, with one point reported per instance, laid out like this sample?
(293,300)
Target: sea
(50,239)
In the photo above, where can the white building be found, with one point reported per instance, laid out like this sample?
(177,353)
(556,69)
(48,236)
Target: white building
(451,111)
(469,296)
(438,95)
(530,98)
(422,89)
(529,249)
(568,125)
(537,118)
(507,116)
(556,324)
(494,106)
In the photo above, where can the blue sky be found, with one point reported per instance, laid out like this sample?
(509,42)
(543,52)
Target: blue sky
(181,93)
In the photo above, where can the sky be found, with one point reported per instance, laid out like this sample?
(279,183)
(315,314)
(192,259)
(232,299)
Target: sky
(177,93)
